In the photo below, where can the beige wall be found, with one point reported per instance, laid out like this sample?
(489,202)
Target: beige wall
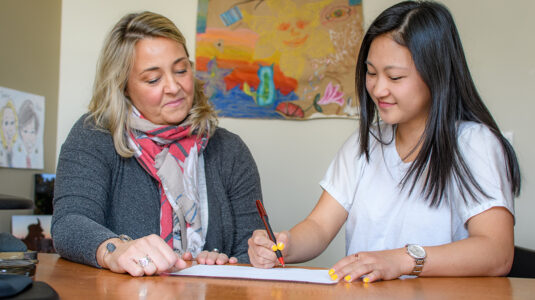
(293,156)
(499,42)
(29,62)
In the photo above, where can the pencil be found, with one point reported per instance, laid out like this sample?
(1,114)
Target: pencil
(264,217)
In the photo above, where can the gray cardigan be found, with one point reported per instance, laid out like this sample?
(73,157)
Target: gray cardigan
(99,195)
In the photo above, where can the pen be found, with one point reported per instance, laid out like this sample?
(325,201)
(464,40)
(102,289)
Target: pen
(264,216)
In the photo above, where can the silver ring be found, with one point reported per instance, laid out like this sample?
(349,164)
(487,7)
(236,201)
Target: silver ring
(145,261)
(215,250)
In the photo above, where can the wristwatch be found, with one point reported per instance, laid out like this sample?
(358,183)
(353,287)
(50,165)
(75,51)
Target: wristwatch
(418,253)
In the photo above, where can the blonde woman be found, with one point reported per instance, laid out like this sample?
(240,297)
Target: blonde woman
(8,133)
(146,179)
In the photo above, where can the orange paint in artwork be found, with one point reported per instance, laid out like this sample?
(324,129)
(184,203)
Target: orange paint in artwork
(236,54)
(283,26)
(244,71)
(201,63)
(301,24)
(248,73)
(243,37)
(296,32)
(236,44)
(296,42)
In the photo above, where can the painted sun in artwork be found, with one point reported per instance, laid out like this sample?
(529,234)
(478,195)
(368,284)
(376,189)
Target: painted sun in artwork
(279,59)
(289,34)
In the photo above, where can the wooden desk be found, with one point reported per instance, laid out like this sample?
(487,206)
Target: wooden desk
(76,281)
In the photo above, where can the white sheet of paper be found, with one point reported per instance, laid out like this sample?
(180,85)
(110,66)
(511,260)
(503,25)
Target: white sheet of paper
(280,274)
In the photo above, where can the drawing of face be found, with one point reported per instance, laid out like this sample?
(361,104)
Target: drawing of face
(28,134)
(293,33)
(9,126)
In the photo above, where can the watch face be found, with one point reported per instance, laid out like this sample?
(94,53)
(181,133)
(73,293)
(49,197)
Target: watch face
(416,251)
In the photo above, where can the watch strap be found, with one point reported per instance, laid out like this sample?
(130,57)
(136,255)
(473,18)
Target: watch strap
(419,265)
(418,260)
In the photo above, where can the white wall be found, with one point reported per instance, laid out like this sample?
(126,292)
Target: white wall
(292,156)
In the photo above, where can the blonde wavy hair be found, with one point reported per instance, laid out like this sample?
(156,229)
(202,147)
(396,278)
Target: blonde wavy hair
(6,143)
(109,107)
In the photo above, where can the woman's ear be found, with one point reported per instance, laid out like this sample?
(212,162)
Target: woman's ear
(125,91)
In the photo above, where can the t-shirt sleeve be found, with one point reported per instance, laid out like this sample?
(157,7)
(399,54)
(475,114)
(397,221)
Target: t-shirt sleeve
(341,179)
(485,157)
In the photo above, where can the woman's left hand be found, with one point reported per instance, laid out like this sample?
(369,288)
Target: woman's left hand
(373,266)
(210,258)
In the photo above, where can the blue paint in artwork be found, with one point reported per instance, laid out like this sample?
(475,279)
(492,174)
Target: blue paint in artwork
(355,2)
(231,16)
(236,104)
(202,13)
(265,95)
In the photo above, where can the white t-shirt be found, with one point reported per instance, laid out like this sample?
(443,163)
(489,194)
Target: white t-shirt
(382,216)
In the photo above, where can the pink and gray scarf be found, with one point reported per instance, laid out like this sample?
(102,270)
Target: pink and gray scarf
(170,155)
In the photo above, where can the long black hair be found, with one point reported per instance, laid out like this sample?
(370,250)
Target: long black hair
(427,29)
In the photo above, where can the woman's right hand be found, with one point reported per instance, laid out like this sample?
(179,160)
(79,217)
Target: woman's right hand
(262,249)
(148,255)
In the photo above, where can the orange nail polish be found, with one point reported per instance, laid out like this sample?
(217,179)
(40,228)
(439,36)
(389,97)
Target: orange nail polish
(331,271)
(334,277)
(347,278)
(280,246)
(366,279)
(274,247)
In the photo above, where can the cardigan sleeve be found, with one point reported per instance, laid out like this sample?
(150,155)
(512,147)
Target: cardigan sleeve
(81,192)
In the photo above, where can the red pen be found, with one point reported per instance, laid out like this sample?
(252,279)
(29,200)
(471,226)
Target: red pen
(264,216)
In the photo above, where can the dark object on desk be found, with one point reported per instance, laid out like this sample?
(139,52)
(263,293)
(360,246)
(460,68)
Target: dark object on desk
(523,263)
(28,255)
(24,267)
(9,243)
(21,287)
(11,285)
(14,257)
(13,202)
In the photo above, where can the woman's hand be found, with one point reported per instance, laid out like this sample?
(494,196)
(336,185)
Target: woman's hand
(211,258)
(148,255)
(262,249)
(373,266)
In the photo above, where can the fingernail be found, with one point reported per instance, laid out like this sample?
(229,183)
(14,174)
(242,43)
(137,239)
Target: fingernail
(274,247)
(334,277)
(366,279)
(347,278)
(331,271)
(280,246)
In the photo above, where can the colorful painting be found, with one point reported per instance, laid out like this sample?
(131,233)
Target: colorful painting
(279,59)
(22,120)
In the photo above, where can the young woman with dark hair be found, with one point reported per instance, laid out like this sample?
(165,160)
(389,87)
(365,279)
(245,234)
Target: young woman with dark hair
(426,185)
